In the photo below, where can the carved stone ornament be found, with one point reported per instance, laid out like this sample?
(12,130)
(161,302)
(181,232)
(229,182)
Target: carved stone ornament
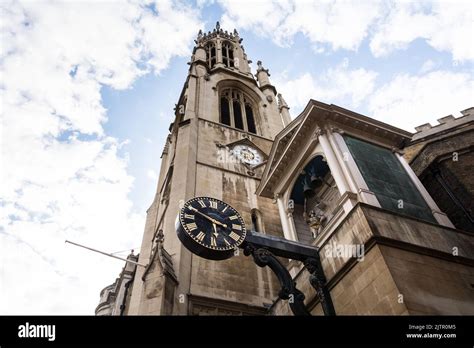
(337,130)
(397,150)
(275,198)
(318,132)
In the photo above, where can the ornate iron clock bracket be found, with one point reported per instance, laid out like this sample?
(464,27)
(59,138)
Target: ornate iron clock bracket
(264,249)
(317,280)
(264,257)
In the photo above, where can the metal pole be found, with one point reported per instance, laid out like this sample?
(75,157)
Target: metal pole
(103,253)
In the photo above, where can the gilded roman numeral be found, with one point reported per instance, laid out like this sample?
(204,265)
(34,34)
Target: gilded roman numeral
(201,202)
(225,208)
(189,216)
(226,241)
(237,227)
(234,236)
(213,241)
(213,204)
(234,217)
(200,236)
(192,226)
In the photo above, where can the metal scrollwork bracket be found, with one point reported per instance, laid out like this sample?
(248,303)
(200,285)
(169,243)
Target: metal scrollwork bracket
(263,257)
(318,282)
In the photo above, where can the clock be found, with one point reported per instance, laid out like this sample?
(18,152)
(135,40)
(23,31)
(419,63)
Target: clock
(248,154)
(210,228)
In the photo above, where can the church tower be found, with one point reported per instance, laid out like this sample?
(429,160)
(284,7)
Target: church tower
(225,122)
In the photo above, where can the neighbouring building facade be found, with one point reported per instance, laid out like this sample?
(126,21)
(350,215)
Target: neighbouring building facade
(390,211)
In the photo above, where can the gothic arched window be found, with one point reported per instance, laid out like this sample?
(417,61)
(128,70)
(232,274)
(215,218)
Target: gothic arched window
(211,54)
(257,221)
(250,119)
(227,54)
(237,110)
(225,111)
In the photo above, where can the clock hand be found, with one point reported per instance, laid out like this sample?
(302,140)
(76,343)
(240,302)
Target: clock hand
(215,230)
(225,240)
(214,221)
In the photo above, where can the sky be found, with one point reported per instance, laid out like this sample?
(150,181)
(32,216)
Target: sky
(87,95)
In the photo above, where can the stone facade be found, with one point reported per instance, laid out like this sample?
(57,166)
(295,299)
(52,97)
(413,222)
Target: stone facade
(443,157)
(380,254)
(197,161)
(409,265)
(114,298)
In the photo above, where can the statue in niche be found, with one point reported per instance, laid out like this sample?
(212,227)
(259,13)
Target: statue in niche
(316,219)
(317,203)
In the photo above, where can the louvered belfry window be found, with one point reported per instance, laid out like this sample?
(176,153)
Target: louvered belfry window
(237,110)
(227,54)
(211,56)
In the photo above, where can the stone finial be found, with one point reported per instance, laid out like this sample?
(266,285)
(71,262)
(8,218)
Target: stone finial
(236,33)
(281,102)
(199,37)
(261,68)
(284,109)
(218,26)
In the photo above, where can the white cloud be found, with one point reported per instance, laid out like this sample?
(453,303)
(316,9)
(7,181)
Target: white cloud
(151,174)
(57,183)
(340,24)
(445,25)
(408,101)
(339,85)
(336,24)
(427,66)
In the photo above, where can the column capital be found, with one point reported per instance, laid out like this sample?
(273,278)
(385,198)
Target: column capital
(398,151)
(336,130)
(276,196)
(318,132)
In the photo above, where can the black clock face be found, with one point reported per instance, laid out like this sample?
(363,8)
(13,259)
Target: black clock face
(210,228)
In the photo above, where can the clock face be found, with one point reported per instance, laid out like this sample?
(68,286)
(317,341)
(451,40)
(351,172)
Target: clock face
(248,154)
(210,228)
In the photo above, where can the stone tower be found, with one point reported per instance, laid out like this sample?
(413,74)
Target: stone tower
(225,122)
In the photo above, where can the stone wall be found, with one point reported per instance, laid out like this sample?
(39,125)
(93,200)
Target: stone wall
(443,158)
(236,280)
(409,267)
(431,285)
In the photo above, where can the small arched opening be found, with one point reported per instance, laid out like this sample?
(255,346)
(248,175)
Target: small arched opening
(228,54)
(257,221)
(211,55)
(313,199)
